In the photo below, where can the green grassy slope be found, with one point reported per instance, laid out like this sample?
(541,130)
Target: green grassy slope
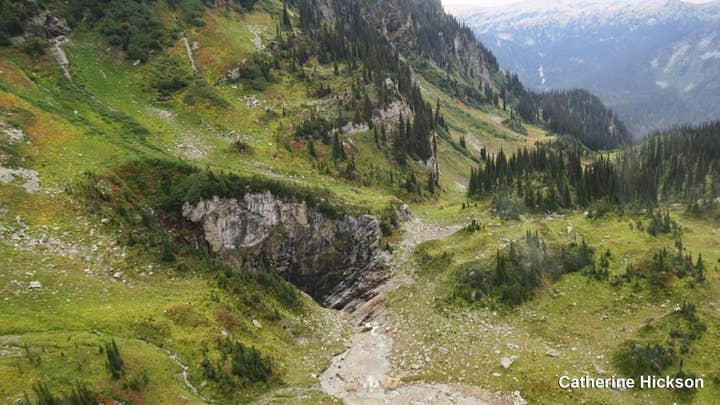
(583,320)
(103,119)
(163,315)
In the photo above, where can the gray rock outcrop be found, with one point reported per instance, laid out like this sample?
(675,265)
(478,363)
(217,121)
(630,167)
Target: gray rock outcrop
(29,178)
(48,25)
(43,25)
(336,261)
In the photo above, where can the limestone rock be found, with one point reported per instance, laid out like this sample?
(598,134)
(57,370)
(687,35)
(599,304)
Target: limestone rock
(506,362)
(29,178)
(49,25)
(405,214)
(336,261)
(12,134)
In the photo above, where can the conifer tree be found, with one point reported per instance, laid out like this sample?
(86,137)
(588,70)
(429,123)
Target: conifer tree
(114,362)
(287,24)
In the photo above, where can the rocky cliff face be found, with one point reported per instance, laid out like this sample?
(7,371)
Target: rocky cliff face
(336,261)
(422,32)
(421,27)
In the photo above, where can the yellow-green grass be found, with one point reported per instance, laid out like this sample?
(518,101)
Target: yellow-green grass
(71,130)
(150,309)
(484,126)
(584,320)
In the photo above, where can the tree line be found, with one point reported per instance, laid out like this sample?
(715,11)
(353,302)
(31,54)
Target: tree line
(679,164)
(577,113)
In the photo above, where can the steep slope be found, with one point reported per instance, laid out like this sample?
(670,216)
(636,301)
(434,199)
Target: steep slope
(447,54)
(95,117)
(652,61)
(167,167)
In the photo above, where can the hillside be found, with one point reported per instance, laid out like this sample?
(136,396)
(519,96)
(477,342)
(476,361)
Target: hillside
(276,202)
(653,62)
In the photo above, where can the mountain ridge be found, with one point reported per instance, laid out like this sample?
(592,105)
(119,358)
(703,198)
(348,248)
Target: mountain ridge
(187,189)
(651,61)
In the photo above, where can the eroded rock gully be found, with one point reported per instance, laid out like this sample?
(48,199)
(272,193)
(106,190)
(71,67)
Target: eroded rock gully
(338,261)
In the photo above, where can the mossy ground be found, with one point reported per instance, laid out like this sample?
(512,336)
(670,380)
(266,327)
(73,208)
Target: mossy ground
(583,319)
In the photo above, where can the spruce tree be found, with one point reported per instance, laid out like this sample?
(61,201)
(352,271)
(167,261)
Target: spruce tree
(287,24)
(114,362)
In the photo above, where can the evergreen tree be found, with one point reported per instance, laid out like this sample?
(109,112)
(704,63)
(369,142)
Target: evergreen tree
(44,396)
(287,24)
(81,394)
(700,270)
(338,149)
(114,362)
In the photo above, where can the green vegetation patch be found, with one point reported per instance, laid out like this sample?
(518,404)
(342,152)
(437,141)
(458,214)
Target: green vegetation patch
(520,270)
(167,185)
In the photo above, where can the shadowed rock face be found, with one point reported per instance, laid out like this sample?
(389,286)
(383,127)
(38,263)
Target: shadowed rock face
(336,261)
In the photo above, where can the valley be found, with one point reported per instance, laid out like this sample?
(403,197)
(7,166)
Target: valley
(653,62)
(327,201)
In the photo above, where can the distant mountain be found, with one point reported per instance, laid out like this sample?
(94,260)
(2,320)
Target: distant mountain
(448,55)
(655,62)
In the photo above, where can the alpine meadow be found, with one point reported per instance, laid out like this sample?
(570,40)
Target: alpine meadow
(336,201)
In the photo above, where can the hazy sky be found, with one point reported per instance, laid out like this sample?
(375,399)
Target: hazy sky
(454,5)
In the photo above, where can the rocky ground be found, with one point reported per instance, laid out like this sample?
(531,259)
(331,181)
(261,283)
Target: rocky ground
(364,374)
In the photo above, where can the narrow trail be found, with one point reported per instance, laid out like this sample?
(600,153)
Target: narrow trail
(364,374)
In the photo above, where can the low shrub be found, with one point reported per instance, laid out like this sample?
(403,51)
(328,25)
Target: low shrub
(636,359)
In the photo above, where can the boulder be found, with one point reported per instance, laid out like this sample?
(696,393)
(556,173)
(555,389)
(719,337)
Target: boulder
(35,285)
(506,362)
(405,214)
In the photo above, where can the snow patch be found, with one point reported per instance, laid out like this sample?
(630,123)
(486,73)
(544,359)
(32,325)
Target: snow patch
(707,41)
(680,53)
(505,36)
(710,55)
